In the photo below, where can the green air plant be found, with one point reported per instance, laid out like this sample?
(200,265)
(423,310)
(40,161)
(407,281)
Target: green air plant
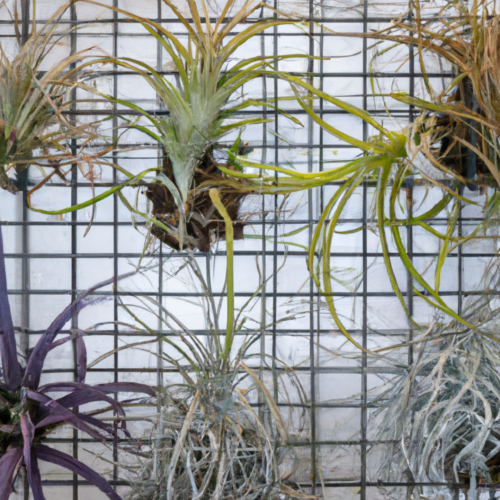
(210,441)
(31,105)
(459,127)
(439,418)
(202,108)
(386,162)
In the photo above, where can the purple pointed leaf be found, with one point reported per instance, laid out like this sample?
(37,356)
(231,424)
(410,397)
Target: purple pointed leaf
(56,413)
(58,458)
(59,342)
(62,387)
(86,418)
(106,427)
(81,394)
(9,466)
(28,430)
(11,368)
(35,364)
(56,417)
(97,423)
(104,388)
(59,416)
(36,361)
(30,461)
(126,387)
(81,359)
(34,478)
(88,395)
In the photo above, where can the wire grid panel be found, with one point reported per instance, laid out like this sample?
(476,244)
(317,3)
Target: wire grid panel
(49,261)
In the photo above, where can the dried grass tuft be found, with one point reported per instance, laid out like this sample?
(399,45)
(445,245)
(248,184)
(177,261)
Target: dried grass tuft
(213,445)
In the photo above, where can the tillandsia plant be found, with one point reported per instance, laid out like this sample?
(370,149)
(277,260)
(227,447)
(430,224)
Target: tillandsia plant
(387,162)
(210,442)
(28,412)
(32,104)
(458,128)
(208,92)
(439,418)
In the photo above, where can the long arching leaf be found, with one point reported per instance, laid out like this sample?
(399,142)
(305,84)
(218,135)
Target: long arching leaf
(37,359)
(9,465)
(62,459)
(10,365)
(30,460)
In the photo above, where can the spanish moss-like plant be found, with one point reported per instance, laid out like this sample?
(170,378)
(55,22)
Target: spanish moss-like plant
(31,105)
(210,442)
(28,412)
(440,417)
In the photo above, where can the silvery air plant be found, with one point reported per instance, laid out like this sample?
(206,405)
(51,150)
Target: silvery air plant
(441,417)
(209,441)
(29,412)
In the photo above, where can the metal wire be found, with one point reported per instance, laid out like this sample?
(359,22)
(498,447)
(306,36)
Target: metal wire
(270,294)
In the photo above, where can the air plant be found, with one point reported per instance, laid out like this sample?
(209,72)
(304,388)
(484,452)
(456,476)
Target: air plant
(28,412)
(439,419)
(385,161)
(208,92)
(209,441)
(458,128)
(32,103)
(212,444)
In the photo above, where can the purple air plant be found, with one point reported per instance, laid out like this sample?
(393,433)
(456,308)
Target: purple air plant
(28,413)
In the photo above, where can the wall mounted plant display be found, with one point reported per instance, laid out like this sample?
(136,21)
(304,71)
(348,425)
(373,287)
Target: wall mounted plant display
(33,127)
(211,442)
(29,412)
(202,109)
(458,128)
(439,418)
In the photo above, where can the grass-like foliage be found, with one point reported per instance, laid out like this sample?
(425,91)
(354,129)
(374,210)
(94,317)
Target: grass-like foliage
(32,101)
(210,441)
(211,445)
(440,417)
(28,412)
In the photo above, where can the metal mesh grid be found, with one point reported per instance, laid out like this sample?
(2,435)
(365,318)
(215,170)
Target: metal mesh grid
(34,244)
